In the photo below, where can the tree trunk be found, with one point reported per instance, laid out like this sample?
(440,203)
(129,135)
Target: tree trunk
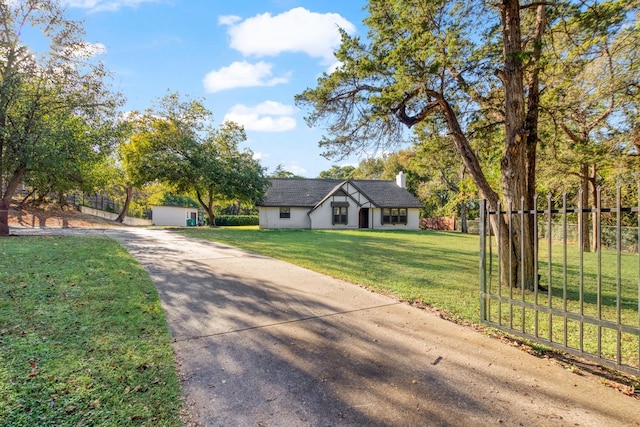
(4,218)
(5,201)
(515,233)
(127,202)
(518,161)
(208,207)
(498,222)
(26,198)
(463,217)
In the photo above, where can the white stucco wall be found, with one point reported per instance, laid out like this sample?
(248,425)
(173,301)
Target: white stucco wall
(413,221)
(172,215)
(269,217)
(322,217)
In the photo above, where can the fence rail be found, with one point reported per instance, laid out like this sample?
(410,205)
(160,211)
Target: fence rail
(583,301)
(103,203)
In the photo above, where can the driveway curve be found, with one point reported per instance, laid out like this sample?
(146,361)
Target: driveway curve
(260,342)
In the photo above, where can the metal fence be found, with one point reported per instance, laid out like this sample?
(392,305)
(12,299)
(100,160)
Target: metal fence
(584,300)
(104,203)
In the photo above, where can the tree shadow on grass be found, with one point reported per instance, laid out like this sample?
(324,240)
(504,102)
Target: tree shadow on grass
(261,342)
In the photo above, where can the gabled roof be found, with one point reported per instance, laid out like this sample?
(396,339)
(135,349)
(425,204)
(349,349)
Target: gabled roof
(304,192)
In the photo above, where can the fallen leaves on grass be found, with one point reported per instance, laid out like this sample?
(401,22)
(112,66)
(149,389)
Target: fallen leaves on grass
(34,368)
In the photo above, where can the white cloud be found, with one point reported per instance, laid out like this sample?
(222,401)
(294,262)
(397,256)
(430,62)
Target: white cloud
(270,116)
(333,67)
(295,169)
(259,155)
(228,19)
(242,74)
(297,30)
(267,107)
(105,5)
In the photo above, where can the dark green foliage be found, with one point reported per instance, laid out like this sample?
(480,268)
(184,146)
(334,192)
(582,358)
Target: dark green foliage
(237,220)
(338,172)
(169,199)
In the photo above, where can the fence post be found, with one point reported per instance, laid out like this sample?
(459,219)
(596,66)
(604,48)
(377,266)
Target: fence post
(483,285)
(619,274)
(581,226)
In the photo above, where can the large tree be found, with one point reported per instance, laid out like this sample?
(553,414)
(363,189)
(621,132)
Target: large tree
(174,143)
(55,106)
(456,60)
(221,172)
(591,69)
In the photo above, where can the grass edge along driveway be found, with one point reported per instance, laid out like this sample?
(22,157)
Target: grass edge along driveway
(83,337)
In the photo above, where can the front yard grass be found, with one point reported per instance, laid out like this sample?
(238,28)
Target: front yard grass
(83,337)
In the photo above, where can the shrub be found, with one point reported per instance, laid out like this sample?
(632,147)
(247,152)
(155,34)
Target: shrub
(237,220)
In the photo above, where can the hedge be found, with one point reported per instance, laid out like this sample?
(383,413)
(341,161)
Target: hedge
(237,220)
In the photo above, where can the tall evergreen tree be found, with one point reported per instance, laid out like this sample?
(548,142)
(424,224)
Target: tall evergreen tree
(454,60)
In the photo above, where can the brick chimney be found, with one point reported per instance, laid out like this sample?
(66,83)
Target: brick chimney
(401,180)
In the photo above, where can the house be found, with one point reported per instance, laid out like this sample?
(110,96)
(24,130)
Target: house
(174,215)
(339,204)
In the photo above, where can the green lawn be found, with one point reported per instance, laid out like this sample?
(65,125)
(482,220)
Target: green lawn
(83,338)
(441,269)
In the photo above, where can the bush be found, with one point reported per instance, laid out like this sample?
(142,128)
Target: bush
(237,220)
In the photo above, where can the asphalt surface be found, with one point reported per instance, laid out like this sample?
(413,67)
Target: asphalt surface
(260,342)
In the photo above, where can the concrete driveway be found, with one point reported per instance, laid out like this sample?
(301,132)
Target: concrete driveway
(260,342)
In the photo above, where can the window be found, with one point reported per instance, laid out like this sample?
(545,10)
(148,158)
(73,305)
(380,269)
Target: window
(339,215)
(285,213)
(394,215)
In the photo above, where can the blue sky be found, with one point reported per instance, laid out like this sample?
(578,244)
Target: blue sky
(246,58)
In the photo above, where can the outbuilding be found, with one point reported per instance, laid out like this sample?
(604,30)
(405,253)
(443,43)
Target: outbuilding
(174,215)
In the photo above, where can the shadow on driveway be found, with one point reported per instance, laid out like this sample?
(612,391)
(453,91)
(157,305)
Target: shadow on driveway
(260,342)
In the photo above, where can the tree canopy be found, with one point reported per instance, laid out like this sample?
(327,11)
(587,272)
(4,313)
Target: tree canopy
(57,113)
(459,69)
(174,143)
(281,172)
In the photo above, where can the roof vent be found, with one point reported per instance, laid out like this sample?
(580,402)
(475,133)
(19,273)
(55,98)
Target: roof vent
(401,180)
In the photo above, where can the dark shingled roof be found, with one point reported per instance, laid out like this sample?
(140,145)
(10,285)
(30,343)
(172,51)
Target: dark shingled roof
(303,192)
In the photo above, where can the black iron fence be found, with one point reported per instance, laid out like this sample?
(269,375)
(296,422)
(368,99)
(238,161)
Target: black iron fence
(104,203)
(585,295)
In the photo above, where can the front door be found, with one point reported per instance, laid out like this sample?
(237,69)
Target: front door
(363,218)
